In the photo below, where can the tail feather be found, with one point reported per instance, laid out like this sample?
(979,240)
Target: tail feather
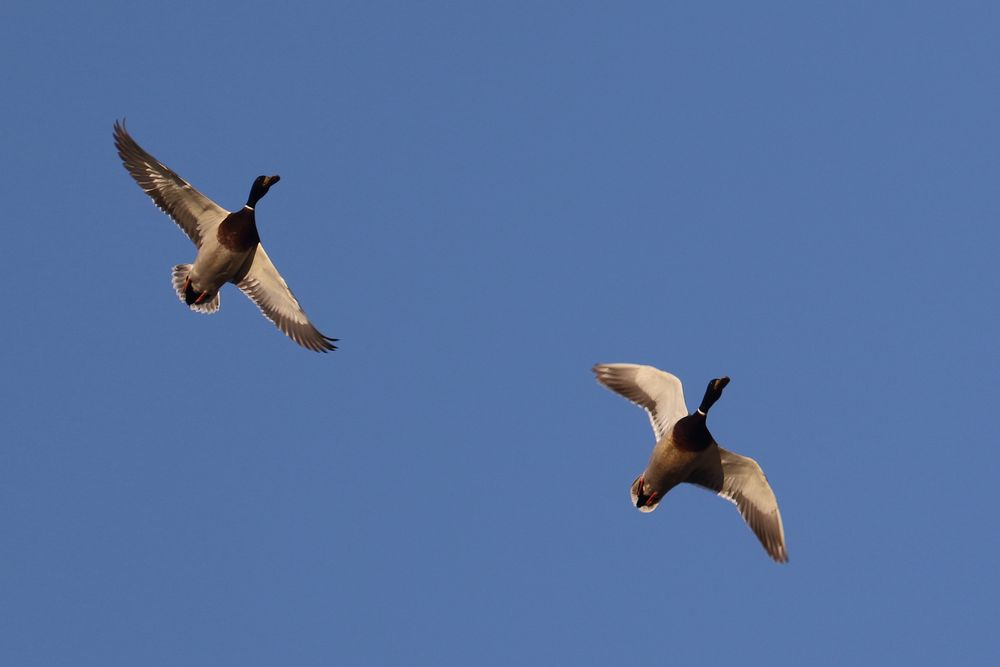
(179,278)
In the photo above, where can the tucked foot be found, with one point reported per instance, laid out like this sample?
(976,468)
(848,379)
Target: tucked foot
(190,296)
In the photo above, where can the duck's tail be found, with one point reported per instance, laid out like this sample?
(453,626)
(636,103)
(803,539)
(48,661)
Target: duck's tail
(184,292)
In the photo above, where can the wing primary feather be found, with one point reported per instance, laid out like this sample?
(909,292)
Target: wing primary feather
(268,290)
(659,393)
(192,211)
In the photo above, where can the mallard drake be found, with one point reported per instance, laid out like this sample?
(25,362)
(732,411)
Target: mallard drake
(229,248)
(685,451)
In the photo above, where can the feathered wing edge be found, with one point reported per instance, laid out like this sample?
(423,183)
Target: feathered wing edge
(659,393)
(740,480)
(266,288)
(192,211)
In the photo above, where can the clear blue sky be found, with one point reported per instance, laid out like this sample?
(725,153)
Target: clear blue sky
(482,202)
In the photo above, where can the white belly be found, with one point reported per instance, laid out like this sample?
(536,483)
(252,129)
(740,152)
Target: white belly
(214,267)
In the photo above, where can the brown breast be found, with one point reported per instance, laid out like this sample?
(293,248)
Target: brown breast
(238,232)
(691,434)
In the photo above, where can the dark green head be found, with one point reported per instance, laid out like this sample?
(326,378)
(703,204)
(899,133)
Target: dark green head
(713,393)
(260,187)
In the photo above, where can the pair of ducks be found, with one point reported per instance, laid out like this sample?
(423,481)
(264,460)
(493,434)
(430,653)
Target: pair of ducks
(229,250)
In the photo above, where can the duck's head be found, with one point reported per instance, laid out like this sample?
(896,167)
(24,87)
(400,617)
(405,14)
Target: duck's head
(713,393)
(260,187)
(644,499)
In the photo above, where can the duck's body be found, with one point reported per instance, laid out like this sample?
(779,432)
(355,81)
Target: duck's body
(223,257)
(685,451)
(229,248)
(673,458)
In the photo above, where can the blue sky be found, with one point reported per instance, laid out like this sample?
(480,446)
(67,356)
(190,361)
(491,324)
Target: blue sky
(482,202)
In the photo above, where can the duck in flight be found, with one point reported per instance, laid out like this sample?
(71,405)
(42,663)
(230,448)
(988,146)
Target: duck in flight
(685,451)
(229,248)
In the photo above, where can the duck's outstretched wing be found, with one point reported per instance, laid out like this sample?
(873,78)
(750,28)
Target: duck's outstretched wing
(193,212)
(266,288)
(740,480)
(658,392)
